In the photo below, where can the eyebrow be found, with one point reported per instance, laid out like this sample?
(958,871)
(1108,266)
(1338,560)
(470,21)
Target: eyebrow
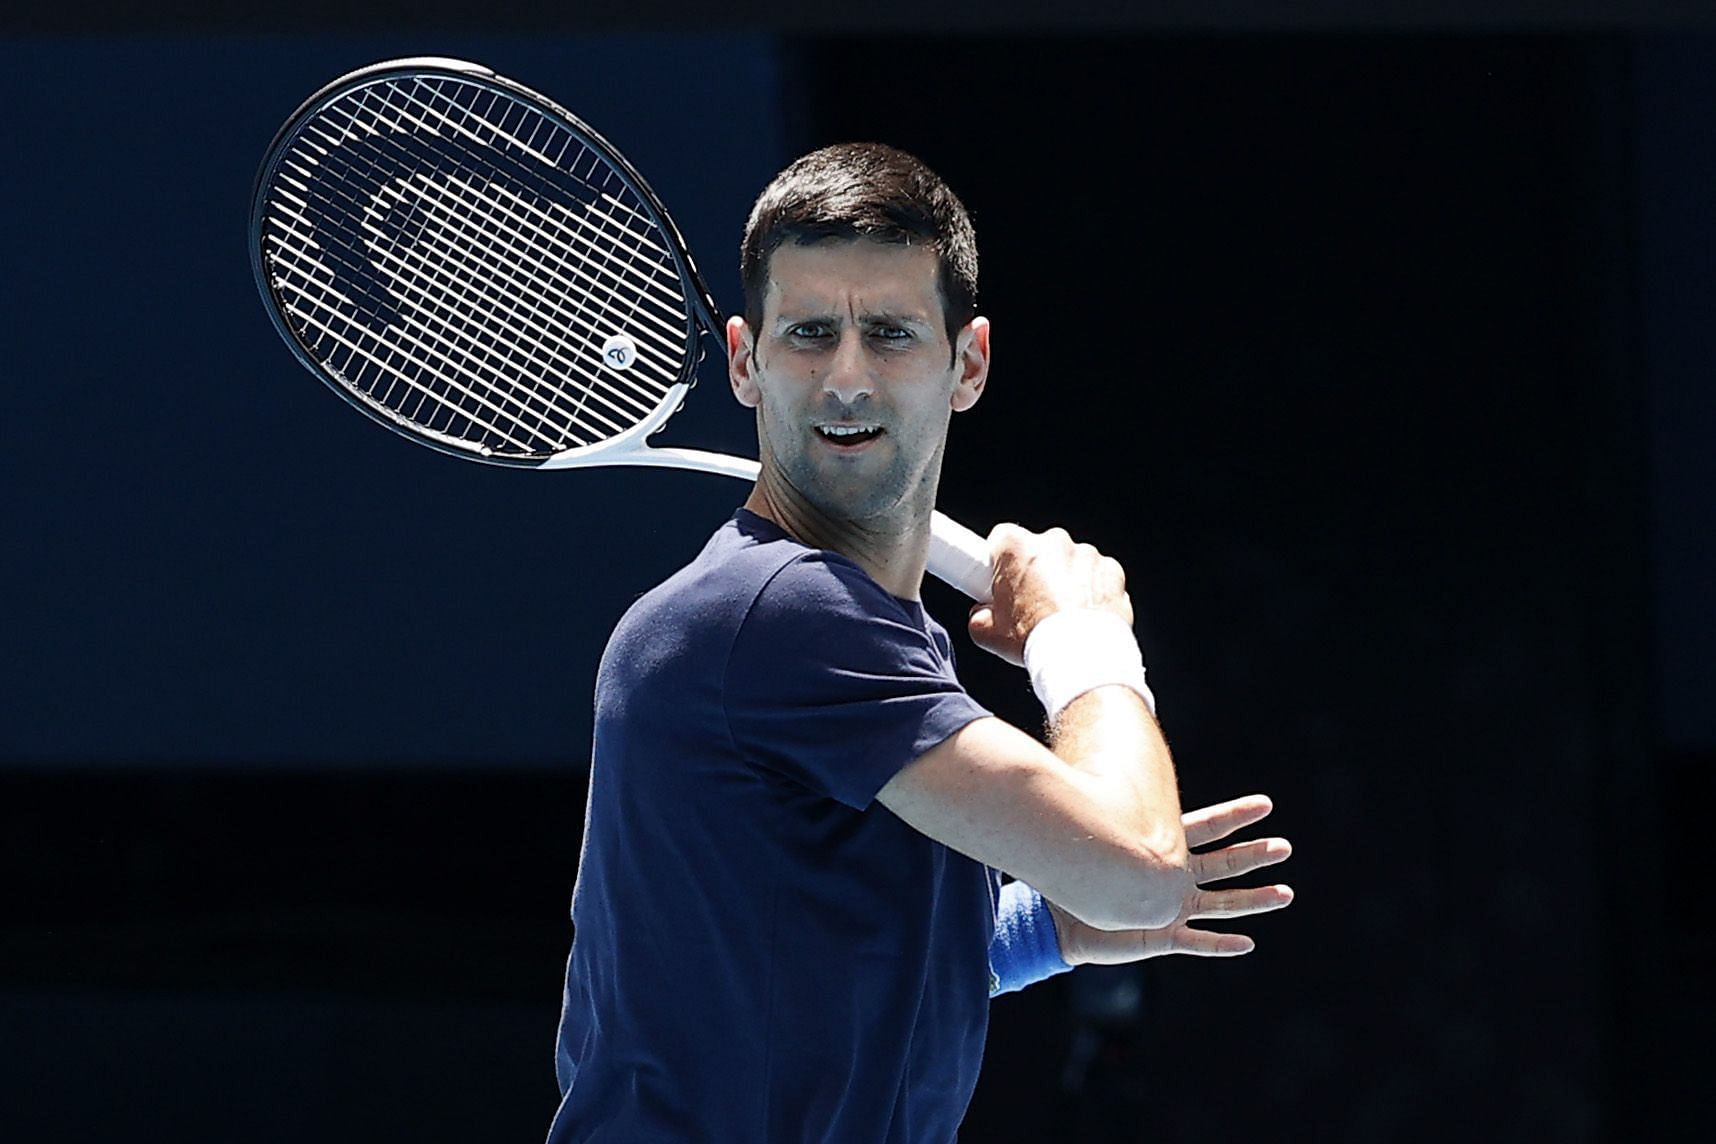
(872,318)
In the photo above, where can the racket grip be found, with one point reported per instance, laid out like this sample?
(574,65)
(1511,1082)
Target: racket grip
(959,557)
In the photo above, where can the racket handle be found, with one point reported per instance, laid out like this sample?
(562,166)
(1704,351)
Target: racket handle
(959,557)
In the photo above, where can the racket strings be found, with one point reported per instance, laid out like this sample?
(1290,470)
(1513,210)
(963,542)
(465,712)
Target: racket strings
(509,296)
(446,350)
(484,284)
(662,275)
(575,238)
(500,226)
(432,345)
(404,357)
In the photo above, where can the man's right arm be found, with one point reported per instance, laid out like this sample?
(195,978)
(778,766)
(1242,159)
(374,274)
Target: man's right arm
(1093,824)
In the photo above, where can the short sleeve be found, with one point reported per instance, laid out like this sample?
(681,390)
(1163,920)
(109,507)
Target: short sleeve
(835,685)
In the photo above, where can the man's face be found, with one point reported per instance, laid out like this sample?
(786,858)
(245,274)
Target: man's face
(852,375)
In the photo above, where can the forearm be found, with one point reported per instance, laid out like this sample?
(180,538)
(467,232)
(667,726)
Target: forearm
(1109,734)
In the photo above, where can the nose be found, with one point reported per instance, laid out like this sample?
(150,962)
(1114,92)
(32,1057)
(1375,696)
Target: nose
(848,377)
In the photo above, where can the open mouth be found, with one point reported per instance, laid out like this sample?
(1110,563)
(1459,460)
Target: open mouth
(848,436)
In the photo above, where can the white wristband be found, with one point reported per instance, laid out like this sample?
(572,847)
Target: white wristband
(1079,650)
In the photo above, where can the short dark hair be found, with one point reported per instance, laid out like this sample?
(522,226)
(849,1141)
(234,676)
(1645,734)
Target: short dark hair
(870,191)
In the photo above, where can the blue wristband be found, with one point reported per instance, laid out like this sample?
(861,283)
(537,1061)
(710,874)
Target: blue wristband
(1025,949)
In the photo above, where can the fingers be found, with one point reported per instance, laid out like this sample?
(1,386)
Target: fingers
(1206,943)
(1212,904)
(1011,542)
(1038,574)
(1212,823)
(1112,575)
(1240,858)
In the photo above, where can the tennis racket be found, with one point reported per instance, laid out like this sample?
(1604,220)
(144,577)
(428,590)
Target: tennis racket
(475,268)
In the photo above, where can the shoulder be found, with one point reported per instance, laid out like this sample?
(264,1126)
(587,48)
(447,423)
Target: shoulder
(721,582)
(821,621)
(753,573)
(834,683)
(829,585)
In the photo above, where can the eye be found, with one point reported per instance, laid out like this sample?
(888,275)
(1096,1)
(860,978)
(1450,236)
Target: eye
(891,333)
(808,331)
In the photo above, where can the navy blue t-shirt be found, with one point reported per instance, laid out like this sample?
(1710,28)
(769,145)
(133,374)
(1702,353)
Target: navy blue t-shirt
(762,952)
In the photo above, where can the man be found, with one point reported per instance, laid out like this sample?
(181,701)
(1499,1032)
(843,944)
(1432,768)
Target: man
(788,921)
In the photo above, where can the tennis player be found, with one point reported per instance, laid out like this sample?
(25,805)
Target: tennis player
(789,919)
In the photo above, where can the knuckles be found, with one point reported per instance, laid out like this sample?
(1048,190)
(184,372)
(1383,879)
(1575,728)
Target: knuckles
(1022,556)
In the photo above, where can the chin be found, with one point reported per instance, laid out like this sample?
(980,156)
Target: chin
(849,496)
(860,505)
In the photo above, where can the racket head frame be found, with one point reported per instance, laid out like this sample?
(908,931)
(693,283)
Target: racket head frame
(625,447)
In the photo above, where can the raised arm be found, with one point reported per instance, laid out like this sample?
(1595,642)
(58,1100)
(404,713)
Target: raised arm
(1094,823)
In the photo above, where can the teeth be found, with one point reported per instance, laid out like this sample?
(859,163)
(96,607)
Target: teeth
(844,430)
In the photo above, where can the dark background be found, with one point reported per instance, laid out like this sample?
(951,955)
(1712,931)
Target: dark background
(1378,349)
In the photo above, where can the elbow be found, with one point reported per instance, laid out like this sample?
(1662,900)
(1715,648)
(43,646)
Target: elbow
(1160,883)
(1147,887)
(1167,884)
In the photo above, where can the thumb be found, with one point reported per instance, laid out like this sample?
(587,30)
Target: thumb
(982,622)
(992,637)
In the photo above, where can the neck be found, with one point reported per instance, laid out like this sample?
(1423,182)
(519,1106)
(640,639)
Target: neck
(893,547)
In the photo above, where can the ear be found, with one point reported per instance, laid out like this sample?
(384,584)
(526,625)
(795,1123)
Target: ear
(971,358)
(742,363)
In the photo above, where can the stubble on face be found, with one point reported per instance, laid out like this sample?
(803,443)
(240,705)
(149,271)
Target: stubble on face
(853,336)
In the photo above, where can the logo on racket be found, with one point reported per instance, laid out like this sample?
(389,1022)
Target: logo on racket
(619,352)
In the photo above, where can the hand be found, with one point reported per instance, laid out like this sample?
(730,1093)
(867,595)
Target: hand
(1037,575)
(1082,944)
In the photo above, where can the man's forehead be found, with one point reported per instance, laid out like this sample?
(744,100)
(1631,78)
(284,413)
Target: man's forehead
(889,276)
